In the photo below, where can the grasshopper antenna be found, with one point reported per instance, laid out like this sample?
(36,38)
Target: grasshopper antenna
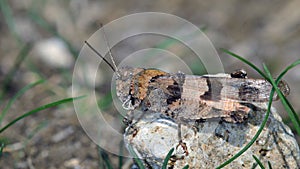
(109,64)
(110,54)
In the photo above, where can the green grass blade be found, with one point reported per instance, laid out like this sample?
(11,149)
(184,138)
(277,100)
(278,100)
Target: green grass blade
(186,167)
(105,158)
(287,69)
(20,58)
(121,155)
(41,125)
(15,97)
(101,162)
(293,115)
(245,61)
(252,141)
(136,158)
(293,112)
(105,101)
(169,42)
(46,106)
(269,165)
(44,24)
(166,160)
(285,102)
(9,19)
(2,145)
(258,162)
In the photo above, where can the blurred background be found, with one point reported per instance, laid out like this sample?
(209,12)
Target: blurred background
(41,39)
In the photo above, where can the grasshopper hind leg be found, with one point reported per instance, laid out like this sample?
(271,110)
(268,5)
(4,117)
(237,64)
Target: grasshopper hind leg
(131,119)
(180,147)
(128,121)
(237,116)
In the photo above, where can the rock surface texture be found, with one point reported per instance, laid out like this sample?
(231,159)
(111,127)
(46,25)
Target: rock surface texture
(214,141)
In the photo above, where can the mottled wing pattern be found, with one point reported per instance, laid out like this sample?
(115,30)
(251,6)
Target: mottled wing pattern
(202,97)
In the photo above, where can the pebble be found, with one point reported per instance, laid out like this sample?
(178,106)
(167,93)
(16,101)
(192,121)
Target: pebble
(54,53)
(61,135)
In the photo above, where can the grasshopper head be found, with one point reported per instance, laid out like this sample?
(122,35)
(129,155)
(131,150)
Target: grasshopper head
(124,82)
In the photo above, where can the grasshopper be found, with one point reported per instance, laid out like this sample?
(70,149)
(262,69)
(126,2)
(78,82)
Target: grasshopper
(185,98)
(188,97)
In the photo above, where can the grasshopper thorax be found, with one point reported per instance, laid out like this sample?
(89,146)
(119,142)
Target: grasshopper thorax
(132,85)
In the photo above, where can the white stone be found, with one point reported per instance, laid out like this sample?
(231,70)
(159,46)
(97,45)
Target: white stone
(54,53)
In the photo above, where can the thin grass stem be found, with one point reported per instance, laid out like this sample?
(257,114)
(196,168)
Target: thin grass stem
(46,106)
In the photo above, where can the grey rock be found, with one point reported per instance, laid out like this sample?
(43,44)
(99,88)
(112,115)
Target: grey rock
(214,141)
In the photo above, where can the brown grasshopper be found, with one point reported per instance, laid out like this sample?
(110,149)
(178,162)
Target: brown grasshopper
(186,98)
